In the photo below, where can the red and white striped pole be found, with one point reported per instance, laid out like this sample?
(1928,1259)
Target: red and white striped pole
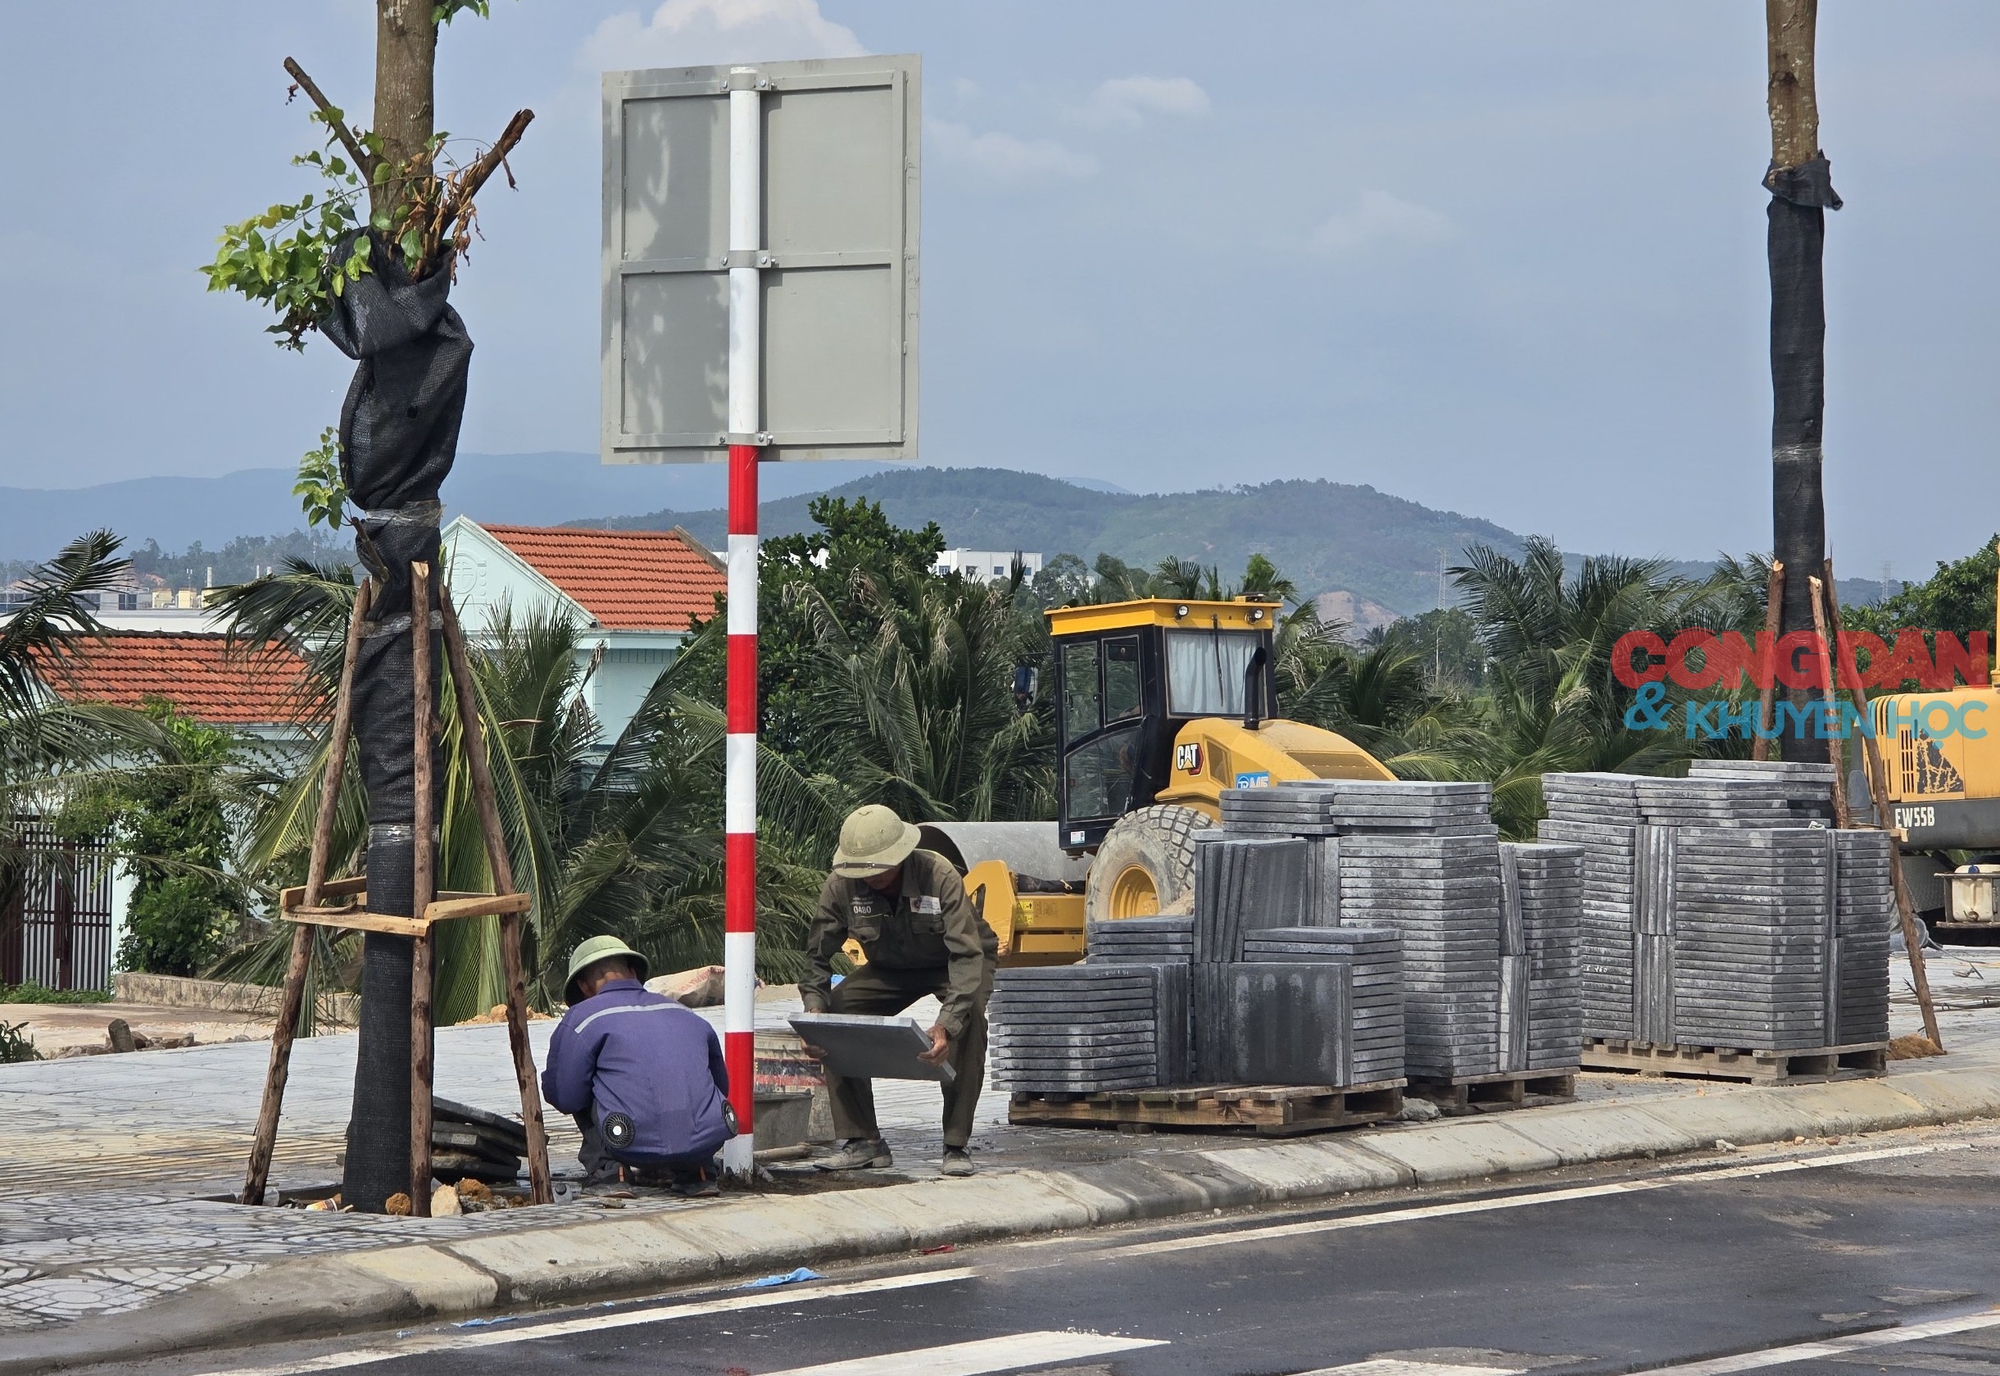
(739,941)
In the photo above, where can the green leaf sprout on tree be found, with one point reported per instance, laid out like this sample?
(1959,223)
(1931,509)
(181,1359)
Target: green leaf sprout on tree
(285,258)
(298,258)
(320,489)
(442,12)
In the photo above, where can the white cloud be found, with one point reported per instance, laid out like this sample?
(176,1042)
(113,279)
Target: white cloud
(1127,100)
(1004,159)
(1378,219)
(700,33)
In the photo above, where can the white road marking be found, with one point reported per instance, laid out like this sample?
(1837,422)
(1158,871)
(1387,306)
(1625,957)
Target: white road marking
(462,1339)
(500,1336)
(1824,1348)
(1396,1366)
(1526,1199)
(1010,1353)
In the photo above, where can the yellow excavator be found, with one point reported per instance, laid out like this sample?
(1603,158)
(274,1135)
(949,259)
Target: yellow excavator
(1941,752)
(1160,705)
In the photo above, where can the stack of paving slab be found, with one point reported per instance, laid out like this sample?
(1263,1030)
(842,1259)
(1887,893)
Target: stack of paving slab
(1720,910)
(1243,885)
(1366,968)
(1144,940)
(470,1143)
(1085,1029)
(1864,917)
(1541,956)
(1490,964)
(1158,941)
(1807,788)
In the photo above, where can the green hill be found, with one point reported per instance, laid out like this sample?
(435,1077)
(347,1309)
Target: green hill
(1327,537)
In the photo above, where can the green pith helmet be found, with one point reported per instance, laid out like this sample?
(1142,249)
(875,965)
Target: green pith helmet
(590,952)
(873,840)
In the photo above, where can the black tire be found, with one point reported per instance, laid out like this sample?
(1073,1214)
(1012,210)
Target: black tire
(1158,839)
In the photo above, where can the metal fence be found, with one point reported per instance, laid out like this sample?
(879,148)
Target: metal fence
(55,910)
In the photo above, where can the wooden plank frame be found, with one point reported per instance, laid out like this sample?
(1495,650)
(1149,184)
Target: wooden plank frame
(1861,1060)
(305,907)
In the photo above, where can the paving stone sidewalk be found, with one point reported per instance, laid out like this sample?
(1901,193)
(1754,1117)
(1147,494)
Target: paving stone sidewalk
(111,1166)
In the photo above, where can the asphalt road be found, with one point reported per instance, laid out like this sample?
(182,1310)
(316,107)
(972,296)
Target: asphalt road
(1881,1254)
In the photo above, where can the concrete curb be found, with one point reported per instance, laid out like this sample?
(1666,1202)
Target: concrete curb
(606,1255)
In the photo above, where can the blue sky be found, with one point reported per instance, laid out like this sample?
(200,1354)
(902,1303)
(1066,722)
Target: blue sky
(1502,258)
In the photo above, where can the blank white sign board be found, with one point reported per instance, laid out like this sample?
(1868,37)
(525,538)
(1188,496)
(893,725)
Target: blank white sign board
(838,262)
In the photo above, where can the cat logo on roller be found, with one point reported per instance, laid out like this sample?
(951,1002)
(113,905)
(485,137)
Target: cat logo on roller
(1161,706)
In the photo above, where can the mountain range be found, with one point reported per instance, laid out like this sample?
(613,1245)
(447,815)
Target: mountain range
(1326,537)
(1370,555)
(518,489)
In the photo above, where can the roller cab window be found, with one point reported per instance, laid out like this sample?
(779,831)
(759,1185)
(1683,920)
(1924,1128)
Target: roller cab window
(1205,672)
(1080,694)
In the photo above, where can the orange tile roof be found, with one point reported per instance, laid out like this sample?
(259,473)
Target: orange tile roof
(200,673)
(638,580)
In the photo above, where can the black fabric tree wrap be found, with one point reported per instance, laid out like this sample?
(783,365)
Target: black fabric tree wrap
(398,437)
(1796,245)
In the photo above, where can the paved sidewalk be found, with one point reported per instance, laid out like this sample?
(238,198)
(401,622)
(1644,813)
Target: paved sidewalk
(59,1028)
(104,1162)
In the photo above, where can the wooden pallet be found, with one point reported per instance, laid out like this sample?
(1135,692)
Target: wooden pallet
(1858,1061)
(1507,1089)
(1266,1110)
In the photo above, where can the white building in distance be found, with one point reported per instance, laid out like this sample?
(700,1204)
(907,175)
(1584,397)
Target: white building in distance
(986,564)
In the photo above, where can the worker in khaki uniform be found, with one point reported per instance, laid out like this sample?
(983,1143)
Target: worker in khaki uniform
(909,911)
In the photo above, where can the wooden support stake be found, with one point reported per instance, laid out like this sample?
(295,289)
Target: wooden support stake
(1774,598)
(483,798)
(1878,787)
(336,746)
(265,1139)
(541,1190)
(420,1074)
(423,733)
(1843,817)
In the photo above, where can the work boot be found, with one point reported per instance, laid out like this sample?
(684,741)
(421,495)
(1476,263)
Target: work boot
(858,1153)
(957,1161)
(697,1182)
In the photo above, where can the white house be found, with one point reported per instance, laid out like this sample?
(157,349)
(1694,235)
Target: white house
(630,592)
(986,564)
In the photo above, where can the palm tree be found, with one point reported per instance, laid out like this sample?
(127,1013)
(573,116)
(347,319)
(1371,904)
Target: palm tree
(52,610)
(1378,695)
(621,837)
(1261,579)
(918,711)
(53,751)
(1552,701)
(1174,576)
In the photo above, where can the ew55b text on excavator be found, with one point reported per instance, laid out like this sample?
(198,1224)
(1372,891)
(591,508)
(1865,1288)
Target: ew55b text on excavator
(1160,705)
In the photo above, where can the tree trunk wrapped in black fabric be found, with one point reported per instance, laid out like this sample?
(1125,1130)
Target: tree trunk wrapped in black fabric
(398,437)
(1796,245)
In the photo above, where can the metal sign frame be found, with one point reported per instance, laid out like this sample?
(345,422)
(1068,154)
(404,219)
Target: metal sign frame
(835,256)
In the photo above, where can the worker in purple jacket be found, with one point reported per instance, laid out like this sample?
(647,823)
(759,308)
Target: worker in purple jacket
(643,1075)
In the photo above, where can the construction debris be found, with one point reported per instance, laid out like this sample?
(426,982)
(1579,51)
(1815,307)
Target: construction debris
(700,987)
